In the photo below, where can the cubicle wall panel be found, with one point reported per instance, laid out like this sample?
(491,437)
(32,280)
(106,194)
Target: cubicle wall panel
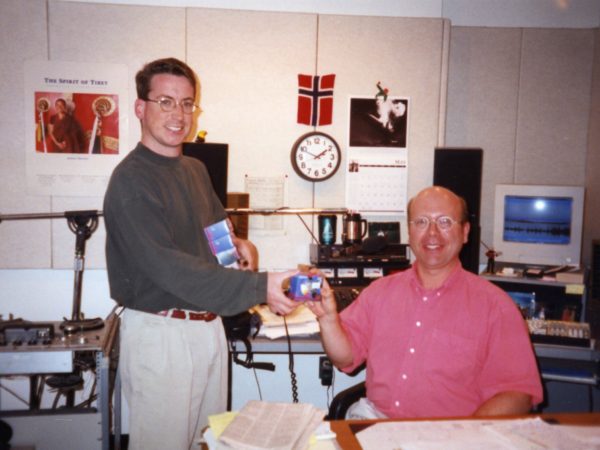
(98,33)
(20,245)
(482,106)
(406,56)
(554,106)
(248,63)
(591,226)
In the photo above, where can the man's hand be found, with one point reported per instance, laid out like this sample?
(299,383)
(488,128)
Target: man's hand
(335,340)
(248,254)
(326,308)
(278,302)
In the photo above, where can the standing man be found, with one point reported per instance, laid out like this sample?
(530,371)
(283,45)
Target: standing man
(173,354)
(437,340)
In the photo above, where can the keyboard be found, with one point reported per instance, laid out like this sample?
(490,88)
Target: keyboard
(344,295)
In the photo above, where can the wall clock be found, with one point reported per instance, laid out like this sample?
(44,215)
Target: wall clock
(316,156)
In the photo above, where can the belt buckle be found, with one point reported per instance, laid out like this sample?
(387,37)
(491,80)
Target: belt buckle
(178,314)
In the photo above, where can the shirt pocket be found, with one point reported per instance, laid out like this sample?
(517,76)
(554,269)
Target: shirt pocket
(452,356)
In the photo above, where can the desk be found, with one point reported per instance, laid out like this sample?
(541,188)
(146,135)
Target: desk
(247,384)
(574,368)
(347,440)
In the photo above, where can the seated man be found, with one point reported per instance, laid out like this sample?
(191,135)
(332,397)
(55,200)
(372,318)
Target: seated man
(438,341)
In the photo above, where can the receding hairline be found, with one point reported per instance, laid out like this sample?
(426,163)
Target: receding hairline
(464,211)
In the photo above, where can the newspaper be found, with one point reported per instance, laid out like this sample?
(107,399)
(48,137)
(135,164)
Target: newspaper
(275,426)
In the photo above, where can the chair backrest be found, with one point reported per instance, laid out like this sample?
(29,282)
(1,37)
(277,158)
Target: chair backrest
(342,401)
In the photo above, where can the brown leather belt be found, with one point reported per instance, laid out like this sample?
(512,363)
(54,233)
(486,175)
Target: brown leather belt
(190,315)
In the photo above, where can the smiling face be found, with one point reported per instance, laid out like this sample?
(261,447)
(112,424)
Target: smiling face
(437,250)
(164,132)
(61,106)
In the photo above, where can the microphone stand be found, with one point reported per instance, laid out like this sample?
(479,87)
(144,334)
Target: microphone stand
(83,224)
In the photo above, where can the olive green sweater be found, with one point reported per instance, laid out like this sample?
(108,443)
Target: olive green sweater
(155,211)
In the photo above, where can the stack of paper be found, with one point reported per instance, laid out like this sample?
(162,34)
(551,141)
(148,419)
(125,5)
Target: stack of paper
(301,321)
(277,426)
(518,434)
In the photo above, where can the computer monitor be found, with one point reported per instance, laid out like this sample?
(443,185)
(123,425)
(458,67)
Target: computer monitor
(538,225)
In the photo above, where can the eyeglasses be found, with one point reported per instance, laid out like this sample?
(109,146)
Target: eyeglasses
(444,223)
(168,104)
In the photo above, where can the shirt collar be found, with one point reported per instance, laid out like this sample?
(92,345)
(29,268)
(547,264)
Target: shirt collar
(455,277)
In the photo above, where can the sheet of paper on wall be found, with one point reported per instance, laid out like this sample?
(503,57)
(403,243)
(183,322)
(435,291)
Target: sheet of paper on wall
(376,180)
(266,193)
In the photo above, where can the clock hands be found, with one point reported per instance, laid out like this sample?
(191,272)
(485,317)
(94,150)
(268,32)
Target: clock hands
(321,154)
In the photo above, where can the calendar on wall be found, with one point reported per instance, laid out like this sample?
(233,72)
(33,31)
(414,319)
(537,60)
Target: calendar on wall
(376,181)
(376,171)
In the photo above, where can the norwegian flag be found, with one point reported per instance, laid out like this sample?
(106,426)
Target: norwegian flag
(315,99)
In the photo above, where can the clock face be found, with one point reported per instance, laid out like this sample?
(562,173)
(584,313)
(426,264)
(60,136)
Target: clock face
(316,156)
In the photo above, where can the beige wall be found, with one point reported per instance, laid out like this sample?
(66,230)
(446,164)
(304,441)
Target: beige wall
(248,63)
(523,95)
(592,167)
(528,97)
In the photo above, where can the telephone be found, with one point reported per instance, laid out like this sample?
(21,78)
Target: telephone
(239,328)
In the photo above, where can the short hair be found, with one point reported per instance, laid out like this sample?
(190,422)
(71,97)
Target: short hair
(464,210)
(172,66)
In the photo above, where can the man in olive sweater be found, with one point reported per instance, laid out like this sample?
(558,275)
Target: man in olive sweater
(173,354)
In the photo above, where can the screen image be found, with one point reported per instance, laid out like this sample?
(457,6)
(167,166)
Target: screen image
(527,305)
(537,220)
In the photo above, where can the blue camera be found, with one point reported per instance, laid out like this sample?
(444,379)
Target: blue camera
(305,287)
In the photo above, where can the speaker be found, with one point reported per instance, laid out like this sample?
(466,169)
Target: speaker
(595,275)
(460,169)
(215,158)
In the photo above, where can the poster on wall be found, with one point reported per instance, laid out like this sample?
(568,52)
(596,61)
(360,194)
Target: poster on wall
(376,172)
(75,126)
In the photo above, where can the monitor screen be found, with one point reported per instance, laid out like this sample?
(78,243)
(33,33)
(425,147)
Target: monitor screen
(539,220)
(538,225)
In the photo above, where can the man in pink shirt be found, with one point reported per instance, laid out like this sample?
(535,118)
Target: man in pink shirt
(438,341)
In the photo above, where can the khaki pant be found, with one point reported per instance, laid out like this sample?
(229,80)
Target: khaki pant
(174,375)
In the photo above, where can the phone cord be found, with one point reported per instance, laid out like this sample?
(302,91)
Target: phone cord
(291,365)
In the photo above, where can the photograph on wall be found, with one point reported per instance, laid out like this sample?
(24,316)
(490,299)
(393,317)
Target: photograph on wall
(75,126)
(380,121)
(74,122)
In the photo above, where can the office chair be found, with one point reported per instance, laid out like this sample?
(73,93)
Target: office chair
(342,401)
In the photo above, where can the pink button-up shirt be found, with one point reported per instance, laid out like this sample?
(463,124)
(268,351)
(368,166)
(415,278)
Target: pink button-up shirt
(440,352)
